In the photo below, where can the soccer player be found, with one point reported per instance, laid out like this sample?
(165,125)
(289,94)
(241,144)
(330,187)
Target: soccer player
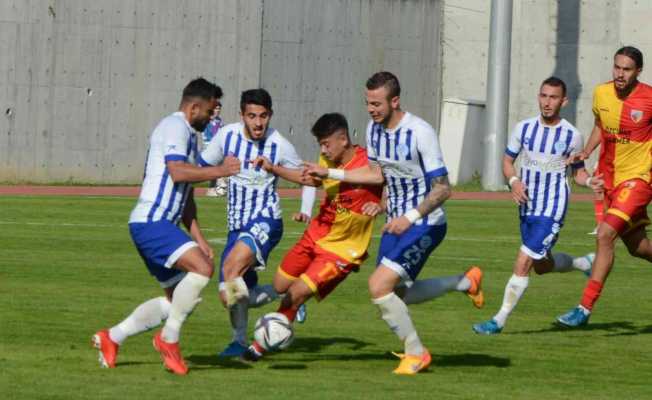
(623,125)
(254,211)
(403,152)
(336,241)
(541,190)
(183,265)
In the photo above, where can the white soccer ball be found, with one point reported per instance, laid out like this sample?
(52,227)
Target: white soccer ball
(273,331)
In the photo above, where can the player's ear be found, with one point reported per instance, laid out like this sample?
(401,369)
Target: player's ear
(395,102)
(564,101)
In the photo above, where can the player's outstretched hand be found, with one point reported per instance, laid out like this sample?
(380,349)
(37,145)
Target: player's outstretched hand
(231,165)
(263,162)
(371,209)
(314,170)
(206,248)
(397,226)
(519,192)
(597,183)
(576,157)
(301,217)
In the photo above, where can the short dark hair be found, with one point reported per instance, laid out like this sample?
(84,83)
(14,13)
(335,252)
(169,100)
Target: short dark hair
(556,82)
(202,89)
(633,53)
(258,97)
(328,124)
(386,79)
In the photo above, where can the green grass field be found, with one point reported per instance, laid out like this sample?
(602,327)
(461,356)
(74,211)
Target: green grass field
(68,268)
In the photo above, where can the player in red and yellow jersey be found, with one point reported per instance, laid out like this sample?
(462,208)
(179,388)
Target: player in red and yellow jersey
(336,241)
(623,128)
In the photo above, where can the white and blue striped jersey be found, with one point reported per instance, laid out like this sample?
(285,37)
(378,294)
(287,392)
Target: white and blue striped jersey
(544,151)
(410,157)
(252,192)
(173,139)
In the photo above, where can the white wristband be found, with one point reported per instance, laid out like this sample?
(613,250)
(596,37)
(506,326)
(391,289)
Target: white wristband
(513,179)
(336,174)
(413,215)
(588,181)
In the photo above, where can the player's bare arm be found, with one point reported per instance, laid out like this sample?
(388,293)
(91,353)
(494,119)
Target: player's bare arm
(591,144)
(519,191)
(189,219)
(181,171)
(367,175)
(439,193)
(583,178)
(289,174)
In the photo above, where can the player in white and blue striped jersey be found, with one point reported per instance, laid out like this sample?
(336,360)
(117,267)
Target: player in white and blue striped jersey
(181,263)
(541,190)
(404,153)
(254,210)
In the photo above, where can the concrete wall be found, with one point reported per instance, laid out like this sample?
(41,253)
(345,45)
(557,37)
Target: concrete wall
(317,55)
(572,39)
(82,83)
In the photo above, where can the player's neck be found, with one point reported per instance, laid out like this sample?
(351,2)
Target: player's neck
(347,156)
(624,93)
(552,121)
(395,119)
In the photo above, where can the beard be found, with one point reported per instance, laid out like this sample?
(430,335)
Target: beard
(200,125)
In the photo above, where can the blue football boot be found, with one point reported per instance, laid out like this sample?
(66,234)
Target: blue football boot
(487,328)
(302,314)
(576,317)
(234,349)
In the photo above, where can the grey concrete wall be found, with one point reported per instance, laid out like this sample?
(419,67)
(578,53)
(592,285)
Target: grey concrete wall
(572,39)
(317,56)
(83,83)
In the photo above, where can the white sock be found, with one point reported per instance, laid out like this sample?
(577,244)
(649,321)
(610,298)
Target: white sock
(184,300)
(562,262)
(239,316)
(395,313)
(582,263)
(145,317)
(261,295)
(428,289)
(513,291)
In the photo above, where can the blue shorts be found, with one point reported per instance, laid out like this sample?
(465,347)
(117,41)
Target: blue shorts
(406,254)
(538,235)
(160,244)
(261,235)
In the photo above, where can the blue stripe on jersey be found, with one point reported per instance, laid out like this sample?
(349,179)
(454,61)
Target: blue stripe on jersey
(397,141)
(393,196)
(557,134)
(248,155)
(404,198)
(184,197)
(537,177)
(510,153)
(566,201)
(408,143)
(175,157)
(261,148)
(386,145)
(227,143)
(542,148)
(545,192)
(238,143)
(159,195)
(272,156)
(569,137)
(556,205)
(435,173)
(535,128)
(171,200)
(415,194)
(378,129)
(527,185)
(243,202)
(202,162)
(523,132)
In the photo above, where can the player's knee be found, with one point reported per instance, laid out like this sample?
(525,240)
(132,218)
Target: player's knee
(378,287)
(606,235)
(298,294)
(280,284)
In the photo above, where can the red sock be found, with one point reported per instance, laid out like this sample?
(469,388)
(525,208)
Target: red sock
(591,294)
(258,347)
(598,208)
(288,312)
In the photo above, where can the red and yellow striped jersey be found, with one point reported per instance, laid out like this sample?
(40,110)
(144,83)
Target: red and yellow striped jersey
(340,227)
(626,126)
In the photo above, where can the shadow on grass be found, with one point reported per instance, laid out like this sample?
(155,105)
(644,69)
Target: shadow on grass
(614,328)
(311,344)
(214,361)
(469,359)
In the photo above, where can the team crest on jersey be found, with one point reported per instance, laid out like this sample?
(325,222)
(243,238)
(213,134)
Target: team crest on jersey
(560,147)
(636,115)
(402,150)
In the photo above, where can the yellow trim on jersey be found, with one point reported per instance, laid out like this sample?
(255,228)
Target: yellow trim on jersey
(620,214)
(311,285)
(286,275)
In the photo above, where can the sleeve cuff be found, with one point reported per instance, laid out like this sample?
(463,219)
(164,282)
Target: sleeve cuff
(511,153)
(175,157)
(436,173)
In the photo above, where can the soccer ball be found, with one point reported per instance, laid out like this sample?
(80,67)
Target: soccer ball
(273,331)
